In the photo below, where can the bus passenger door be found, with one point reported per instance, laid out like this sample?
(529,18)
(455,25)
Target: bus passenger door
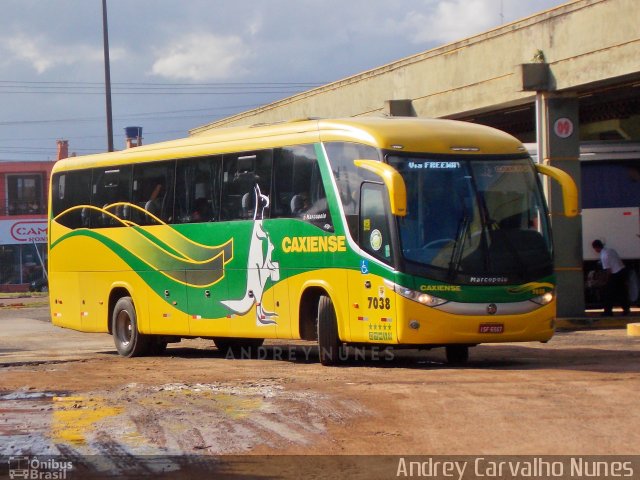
(373,308)
(375,312)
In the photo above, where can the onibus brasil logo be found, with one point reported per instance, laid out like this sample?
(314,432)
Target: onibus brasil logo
(38,468)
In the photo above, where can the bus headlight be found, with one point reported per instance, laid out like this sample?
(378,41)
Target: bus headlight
(420,297)
(544,299)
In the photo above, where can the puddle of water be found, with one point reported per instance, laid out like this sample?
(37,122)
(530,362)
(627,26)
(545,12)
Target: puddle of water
(26,395)
(35,421)
(165,419)
(25,419)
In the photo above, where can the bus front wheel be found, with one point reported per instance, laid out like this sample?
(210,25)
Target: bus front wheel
(129,341)
(457,354)
(331,349)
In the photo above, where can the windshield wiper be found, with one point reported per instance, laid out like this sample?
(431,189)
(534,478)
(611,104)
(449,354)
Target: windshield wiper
(458,249)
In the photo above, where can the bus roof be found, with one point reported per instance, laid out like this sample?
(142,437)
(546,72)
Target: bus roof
(396,133)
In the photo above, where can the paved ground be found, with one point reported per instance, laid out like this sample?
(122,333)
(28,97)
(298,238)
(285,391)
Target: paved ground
(69,393)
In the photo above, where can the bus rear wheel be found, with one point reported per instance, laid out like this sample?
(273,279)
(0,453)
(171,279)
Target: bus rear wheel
(457,354)
(129,341)
(331,349)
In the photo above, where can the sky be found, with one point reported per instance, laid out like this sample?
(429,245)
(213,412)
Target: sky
(177,65)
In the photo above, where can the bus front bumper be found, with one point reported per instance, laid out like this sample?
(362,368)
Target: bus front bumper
(421,325)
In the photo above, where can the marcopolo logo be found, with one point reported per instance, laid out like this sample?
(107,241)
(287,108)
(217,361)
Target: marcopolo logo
(29,232)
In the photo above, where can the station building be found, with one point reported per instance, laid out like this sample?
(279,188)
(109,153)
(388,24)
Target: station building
(23,221)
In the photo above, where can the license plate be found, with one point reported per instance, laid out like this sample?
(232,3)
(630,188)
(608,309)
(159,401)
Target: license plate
(491,328)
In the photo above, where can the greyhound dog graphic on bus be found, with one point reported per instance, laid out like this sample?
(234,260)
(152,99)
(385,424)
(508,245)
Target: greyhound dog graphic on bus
(260,267)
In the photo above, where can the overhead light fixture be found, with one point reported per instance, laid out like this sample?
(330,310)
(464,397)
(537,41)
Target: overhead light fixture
(465,149)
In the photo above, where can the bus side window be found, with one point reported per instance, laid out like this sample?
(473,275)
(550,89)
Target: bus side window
(68,192)
(198,190)
(349,177)
(110,191)
(284,182)
(241,174)
(298,188)
(153,187)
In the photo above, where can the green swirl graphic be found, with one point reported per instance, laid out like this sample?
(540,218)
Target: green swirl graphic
(160,247)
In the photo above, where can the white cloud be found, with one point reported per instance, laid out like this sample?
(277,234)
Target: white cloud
(450,20)
(202,57)
(42,54)
(254,26)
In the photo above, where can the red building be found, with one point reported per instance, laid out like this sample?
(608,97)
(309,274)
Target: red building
(23,220)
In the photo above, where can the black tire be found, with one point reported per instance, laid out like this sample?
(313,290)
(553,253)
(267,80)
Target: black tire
(457,354)
(331,349)
(238,347)
(124,322)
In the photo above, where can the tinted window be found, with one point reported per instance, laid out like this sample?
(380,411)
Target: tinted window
(245,176)
(110,190)
(375,234)
(71,189)
(153,193)
(198,190)
(349,177)
(298,188)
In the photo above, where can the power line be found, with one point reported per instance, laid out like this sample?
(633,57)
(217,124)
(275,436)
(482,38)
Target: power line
(167,84)
(17,87)
(115,91)
(140,115)
(27,87)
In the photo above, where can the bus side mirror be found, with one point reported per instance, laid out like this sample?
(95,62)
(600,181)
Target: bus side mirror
(393,181)
(569,189)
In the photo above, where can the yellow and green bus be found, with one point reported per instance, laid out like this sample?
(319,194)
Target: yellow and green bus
(396,232)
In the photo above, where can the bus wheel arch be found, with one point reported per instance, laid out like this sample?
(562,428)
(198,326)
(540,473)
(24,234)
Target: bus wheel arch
(115,295)
(307,313)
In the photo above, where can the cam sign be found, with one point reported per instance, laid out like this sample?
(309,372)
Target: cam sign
(23,231)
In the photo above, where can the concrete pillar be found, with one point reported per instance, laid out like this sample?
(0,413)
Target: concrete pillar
(560,147)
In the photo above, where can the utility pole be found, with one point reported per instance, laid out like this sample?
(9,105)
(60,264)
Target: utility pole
(107,76)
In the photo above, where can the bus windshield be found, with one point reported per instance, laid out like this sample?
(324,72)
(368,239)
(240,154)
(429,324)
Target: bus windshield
(474,221)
